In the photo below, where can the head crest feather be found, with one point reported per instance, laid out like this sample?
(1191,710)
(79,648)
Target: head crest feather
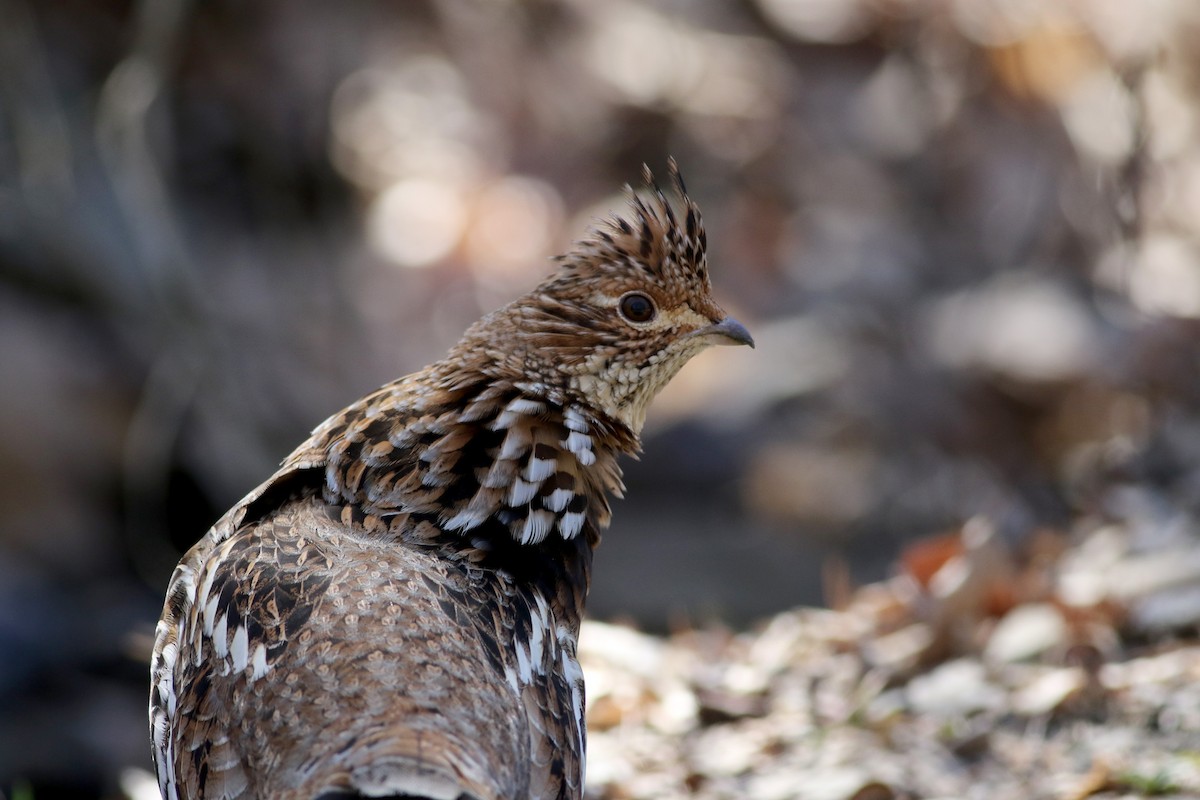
(650,233)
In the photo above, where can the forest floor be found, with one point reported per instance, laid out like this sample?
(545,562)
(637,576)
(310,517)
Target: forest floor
(1068,670)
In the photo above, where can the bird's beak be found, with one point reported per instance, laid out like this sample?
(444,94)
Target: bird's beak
(727,331)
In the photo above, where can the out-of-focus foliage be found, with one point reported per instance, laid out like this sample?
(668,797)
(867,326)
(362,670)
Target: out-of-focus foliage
(966,234)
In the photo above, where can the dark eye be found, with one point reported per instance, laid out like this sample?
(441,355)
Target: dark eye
(636,307)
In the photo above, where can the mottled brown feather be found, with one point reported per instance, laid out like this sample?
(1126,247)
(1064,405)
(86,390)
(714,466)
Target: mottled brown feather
(395,611)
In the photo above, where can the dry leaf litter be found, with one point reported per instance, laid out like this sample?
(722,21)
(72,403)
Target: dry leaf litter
(1053,670)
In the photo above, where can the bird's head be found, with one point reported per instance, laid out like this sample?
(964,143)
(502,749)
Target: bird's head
(627,308)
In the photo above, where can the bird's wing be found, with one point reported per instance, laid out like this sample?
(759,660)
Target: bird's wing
(296,653)
(554,706)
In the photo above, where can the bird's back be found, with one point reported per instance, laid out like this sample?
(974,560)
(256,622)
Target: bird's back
(352,663)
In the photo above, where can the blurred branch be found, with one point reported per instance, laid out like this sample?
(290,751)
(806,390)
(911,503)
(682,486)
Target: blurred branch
(123,133)
(1131,175)
(43,156)
(125,125)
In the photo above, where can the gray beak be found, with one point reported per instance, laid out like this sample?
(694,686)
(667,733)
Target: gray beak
(727,331)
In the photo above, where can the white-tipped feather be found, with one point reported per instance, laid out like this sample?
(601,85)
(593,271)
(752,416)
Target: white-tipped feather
(240,649)
(202,600)
(577,442)
(558,499)
(524,668)
(504,420)
(537,525)
(574,420)
(220,636)
(516,444)
(570,524)
(525,405)
(538,469)
(210,614)
(522,492)
(465,520)
(259,661)
(573,674)
(536,636)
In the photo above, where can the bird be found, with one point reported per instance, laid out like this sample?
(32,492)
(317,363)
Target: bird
(395,611)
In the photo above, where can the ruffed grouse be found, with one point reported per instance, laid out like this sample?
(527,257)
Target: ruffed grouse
(394,612)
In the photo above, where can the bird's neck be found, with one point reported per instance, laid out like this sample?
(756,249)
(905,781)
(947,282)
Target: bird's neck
(444,455)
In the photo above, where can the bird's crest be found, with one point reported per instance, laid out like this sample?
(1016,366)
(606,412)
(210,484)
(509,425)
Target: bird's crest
(652,234)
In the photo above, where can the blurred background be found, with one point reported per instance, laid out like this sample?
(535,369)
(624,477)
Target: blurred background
(965,234)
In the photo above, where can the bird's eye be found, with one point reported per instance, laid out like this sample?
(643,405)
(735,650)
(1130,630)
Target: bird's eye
(637,307)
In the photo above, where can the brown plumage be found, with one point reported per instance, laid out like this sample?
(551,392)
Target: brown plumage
(394,612)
